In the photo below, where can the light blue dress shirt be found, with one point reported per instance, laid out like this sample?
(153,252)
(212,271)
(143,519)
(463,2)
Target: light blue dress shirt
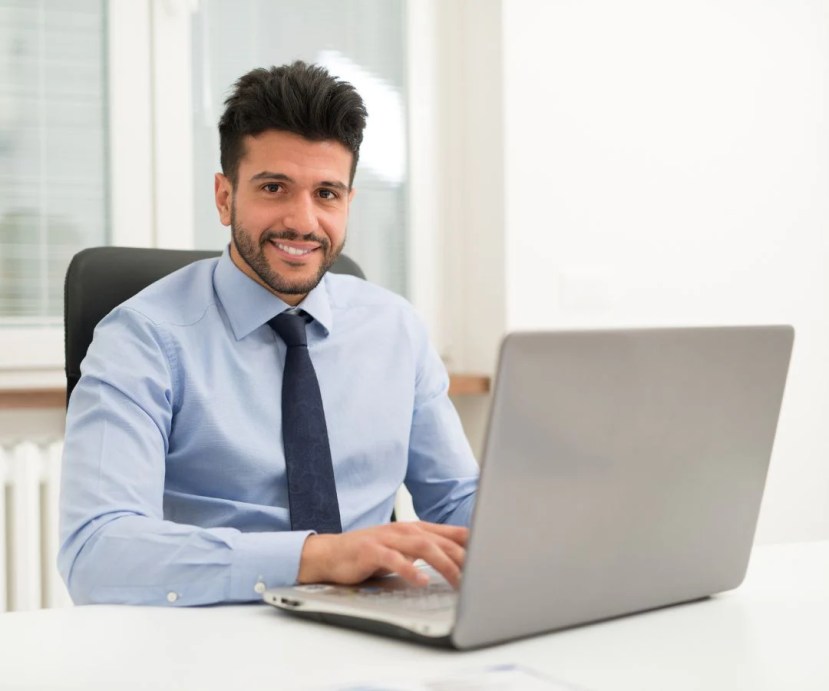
(174,487)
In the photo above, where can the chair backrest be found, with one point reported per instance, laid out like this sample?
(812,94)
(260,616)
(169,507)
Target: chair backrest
(101,278)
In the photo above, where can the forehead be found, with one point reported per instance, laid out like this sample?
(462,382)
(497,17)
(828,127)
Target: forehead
(290,154)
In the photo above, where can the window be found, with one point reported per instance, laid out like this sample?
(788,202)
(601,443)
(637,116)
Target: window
(53,149)
(108,134)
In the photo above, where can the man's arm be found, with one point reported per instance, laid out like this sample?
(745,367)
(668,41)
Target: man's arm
(115,544)
(442,476)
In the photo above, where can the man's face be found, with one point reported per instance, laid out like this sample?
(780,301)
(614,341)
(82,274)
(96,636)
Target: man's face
(287,211)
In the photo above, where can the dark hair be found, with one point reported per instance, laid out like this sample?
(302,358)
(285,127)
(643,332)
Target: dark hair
(298,98)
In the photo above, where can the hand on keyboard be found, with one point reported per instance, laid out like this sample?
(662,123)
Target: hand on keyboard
(355,556)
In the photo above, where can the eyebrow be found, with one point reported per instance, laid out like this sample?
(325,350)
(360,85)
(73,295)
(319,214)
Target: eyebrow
(281,177)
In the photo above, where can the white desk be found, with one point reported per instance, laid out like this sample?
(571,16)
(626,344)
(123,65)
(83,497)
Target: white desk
(771,633)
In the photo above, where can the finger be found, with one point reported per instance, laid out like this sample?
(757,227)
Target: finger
(386,572)
(455,551)
(452,549)
(428,548)
(418,537)
(395,562)
(457,533)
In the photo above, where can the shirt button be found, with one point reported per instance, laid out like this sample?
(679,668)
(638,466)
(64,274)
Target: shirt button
(172,597)
(260,587)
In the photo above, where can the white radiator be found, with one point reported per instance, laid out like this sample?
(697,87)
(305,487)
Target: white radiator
(30,482)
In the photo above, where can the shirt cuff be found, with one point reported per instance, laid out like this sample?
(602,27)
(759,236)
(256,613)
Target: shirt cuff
(264,560)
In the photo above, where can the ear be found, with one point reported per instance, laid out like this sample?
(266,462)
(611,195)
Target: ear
(351,194)
(223,191)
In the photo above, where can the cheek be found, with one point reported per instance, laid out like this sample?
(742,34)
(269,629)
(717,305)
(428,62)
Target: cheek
(256,219)
(335,223)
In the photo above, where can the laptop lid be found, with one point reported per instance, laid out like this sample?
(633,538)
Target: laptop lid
(623,471)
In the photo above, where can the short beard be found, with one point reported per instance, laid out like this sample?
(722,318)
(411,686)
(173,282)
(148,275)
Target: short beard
(254,257)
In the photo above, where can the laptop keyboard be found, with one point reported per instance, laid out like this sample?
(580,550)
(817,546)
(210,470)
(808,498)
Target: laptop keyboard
(431,598)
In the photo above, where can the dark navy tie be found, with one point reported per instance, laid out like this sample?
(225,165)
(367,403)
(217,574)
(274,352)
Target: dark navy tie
(312,494)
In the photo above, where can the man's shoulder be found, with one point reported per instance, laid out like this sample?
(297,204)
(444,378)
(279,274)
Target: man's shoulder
(350,292)
(375,312)
(180,298)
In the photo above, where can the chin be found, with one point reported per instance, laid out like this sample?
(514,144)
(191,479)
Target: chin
(292,282)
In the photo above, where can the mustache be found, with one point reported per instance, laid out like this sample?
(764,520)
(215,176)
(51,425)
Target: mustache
(289,234)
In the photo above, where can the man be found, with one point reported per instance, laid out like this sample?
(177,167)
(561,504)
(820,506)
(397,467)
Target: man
(206,456)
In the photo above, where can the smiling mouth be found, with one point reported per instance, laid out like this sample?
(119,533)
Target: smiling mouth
(293,251)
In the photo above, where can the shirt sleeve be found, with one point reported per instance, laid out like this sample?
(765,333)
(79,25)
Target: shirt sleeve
(442,474)
(116,546)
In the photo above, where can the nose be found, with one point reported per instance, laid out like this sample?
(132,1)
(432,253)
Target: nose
(300,214)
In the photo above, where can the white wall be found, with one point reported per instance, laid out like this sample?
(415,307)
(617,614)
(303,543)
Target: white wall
(667,163)
(470,227)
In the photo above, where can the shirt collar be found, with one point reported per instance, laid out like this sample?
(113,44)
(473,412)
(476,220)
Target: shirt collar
(249,305)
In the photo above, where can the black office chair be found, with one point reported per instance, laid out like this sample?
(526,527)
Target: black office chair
(101,278)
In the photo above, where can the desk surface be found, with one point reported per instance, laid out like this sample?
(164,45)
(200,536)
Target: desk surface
(771,633)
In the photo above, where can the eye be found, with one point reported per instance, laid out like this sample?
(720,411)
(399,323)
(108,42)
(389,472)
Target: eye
(272,187)
(328,194)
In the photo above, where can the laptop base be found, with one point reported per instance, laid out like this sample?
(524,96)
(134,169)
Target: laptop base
(382,628)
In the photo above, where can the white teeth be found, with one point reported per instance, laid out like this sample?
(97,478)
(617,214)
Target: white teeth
(292,250)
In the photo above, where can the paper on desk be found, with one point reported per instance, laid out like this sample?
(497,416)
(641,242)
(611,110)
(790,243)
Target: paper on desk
(498,678)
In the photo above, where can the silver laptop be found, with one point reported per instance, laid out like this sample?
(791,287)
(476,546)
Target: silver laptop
(623,471)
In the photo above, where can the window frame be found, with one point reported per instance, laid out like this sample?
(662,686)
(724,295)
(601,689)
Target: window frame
(148,159)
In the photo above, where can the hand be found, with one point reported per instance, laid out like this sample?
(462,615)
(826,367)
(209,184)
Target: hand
(352,557)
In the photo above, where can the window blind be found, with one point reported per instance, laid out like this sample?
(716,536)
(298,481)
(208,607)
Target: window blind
(53,148)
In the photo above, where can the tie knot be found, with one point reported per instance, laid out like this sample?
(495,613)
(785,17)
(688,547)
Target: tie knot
(290,327)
